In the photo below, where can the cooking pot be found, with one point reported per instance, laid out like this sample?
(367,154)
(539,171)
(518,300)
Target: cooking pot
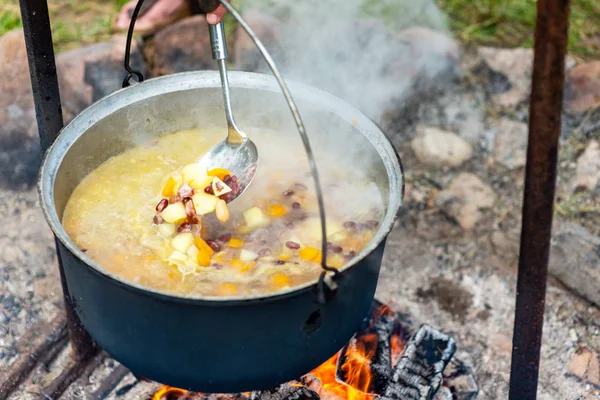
(216,344)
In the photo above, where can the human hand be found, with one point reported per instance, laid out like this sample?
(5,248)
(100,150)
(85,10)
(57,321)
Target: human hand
(216,16)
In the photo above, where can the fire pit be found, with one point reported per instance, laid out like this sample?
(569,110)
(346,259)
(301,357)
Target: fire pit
(390,358)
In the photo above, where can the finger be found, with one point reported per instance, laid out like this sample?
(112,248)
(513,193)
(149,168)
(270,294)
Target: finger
(216,16)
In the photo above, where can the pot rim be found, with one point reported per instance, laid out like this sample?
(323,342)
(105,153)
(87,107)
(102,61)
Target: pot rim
(210,79)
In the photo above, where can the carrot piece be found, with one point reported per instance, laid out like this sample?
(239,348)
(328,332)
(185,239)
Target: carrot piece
(281,280)
(169,187)
(235,243)
(228,289)
(220,173)
(202,246)
(204,252)
(308,253)
(239,264)
(311,254)
(276,211)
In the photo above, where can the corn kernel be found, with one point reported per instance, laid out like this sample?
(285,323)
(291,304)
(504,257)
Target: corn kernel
(284,257)
(248,266)
(235,243)
(276,211)
(228,289)
(281,280)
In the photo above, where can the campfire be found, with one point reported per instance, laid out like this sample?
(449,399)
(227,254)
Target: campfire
(381,362)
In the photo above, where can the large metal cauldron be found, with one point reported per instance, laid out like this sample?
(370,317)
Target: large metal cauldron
(206,344)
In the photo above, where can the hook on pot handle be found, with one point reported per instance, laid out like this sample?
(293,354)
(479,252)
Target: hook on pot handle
(130,71)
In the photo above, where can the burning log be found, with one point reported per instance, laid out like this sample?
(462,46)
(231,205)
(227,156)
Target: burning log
(287,391)
(418,374)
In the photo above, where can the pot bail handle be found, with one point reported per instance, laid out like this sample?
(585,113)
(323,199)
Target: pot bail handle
(130,71)
(326,286)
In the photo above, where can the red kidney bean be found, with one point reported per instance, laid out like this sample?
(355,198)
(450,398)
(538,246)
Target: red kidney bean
(350,225)
(287,193)
(350,255)
(372,224)
(185,227)
(224,238)
(225,197)
(185,190)
(279,262)
(235,188)
(83,250)
(174,199)
(194,220)
(292,245)
(184,201)
(334,248)
(158,219)
(227,179)
(218,266)
(264,252)
(296,205)
(209,190)
(190,210)
(213,245)
(300,186)
(162,205)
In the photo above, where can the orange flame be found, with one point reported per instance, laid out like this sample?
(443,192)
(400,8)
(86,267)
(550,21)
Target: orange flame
(166,391)
(356,369)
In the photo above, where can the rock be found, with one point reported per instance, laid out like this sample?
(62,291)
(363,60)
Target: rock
(181,47)
(91,72)
(268,29)
(439,148)
(517,66)
(19,143)
(582,88)
(585,365)
(588,168)
(575,260)
(510,143)
(465,199)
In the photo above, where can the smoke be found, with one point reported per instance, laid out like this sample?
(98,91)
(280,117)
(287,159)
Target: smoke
(370,54)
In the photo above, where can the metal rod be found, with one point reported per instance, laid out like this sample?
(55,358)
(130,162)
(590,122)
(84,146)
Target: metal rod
(48,110)
(538,200)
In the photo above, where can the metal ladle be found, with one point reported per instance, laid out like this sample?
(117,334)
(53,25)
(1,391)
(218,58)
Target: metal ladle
(237,153)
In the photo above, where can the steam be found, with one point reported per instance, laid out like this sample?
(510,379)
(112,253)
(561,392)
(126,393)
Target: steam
(367,53)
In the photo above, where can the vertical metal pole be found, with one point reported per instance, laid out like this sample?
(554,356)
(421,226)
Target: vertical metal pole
(46,97)
(538,202)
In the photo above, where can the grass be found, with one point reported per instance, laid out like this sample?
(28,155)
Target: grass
(507,23)
(511,23)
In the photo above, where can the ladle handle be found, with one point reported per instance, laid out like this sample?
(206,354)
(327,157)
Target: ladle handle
(218,43)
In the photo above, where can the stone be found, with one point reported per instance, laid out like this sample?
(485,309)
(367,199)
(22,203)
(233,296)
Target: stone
(517,66)
(438,148)
(582,88)
(465,199)
(510,143)
(585,365)
(88,73)
(575,260)
(268,29)
(587,176)
(181,47)
(19,143)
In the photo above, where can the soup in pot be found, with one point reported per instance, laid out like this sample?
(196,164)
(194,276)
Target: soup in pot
(153,216)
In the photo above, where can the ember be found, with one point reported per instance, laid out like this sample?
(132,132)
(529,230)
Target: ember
(377,364)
